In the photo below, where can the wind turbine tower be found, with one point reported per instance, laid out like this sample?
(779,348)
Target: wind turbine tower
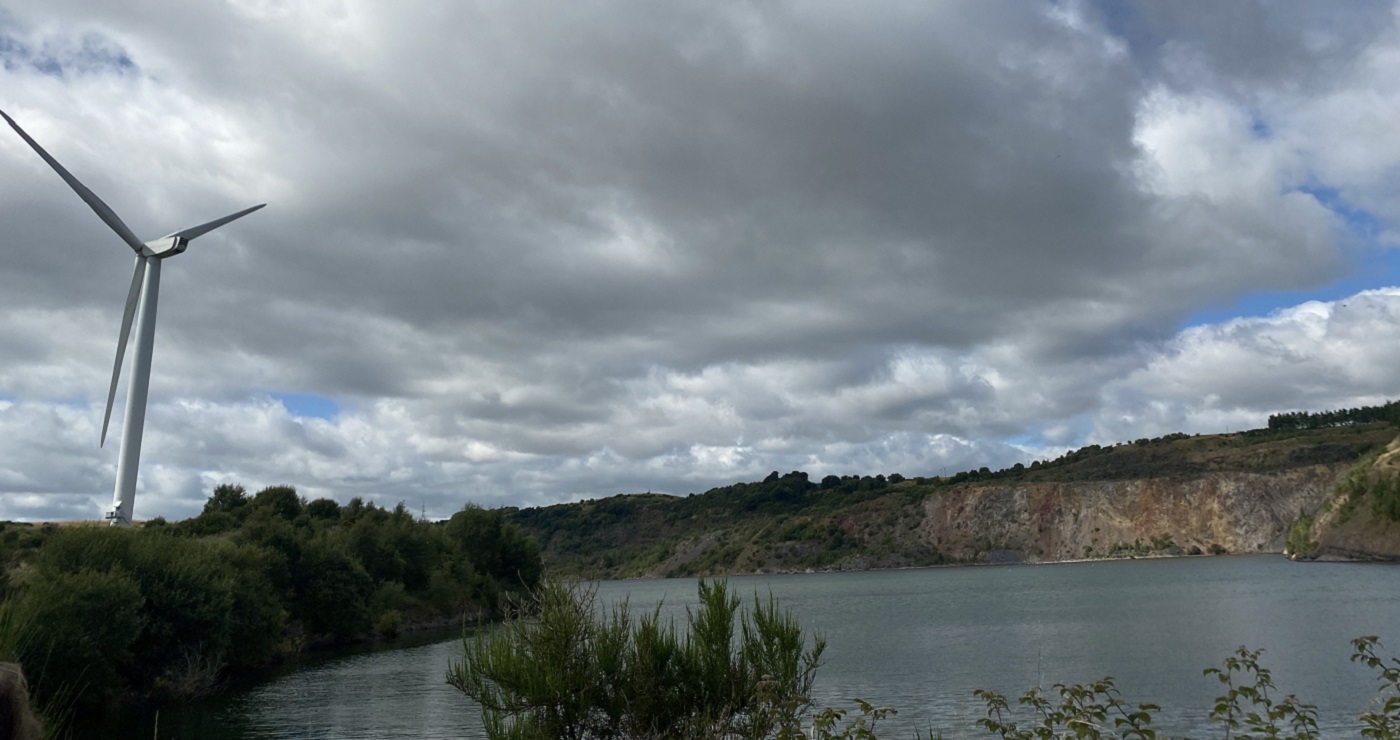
(143,294)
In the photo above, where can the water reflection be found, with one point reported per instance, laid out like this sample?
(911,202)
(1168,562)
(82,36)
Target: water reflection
(399,694)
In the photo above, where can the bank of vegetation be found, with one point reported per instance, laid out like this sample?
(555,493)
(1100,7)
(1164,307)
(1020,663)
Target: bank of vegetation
(164,612)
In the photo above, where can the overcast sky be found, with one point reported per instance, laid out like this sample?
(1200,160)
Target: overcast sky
(523,252)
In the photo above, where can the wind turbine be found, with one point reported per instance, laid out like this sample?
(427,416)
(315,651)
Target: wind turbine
(145,288)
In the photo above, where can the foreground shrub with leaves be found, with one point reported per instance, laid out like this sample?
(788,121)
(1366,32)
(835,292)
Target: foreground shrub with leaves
(571,673)
(1249,708)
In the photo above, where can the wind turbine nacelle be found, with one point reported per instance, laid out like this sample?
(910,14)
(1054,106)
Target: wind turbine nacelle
(166,246)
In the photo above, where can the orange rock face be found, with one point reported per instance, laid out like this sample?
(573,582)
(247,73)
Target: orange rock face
(1040,522)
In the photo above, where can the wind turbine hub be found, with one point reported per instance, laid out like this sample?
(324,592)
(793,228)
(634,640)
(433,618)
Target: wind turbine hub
(166,246)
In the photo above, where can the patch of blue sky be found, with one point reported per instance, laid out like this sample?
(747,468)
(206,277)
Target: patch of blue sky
(90,54)
(1069,435)
(1359,222)
(1025,440)
(1260,127)
(1123,20)
(1376,266)
(1377,270)
(307,405)
(14,54)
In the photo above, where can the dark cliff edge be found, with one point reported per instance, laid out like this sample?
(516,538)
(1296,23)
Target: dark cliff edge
(1248,492)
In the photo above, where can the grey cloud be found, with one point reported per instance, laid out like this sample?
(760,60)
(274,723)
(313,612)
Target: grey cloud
(549,250)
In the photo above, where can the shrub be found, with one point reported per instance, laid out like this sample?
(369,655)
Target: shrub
(1299,542)
(75,634)
(389,623)
(573,673)
(1081,711)
(1248,705)
(111,613)
(1385,722)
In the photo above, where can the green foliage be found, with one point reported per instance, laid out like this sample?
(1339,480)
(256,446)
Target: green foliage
(1300,543)
(76,633)
(1077,711)
(389,623)
(324,509)
(1377,490)
(227,498)
(783,522)
(571,672)
(111,612)
(331,592)
(280,500)
(1247,704)
(495,545)
(1388,413)
(1383,722)
(1248,708)
(859,727)
(101,616)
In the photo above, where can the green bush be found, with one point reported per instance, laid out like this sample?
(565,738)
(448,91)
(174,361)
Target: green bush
(1299,542)
(572,673)
(389,623)
(76,636)
(110,612)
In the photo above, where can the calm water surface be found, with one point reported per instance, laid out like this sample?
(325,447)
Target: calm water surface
(922,640)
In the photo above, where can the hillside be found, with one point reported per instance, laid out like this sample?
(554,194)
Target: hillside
(1362,522)
(1172,495)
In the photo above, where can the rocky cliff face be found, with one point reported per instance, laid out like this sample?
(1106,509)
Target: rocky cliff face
(1240,512)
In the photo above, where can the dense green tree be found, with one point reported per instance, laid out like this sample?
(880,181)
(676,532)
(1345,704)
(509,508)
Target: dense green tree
(332,592)
(496,547)
(281,500)
(227,498)
(324,509)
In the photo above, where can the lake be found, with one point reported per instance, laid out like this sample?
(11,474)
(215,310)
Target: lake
(921,640)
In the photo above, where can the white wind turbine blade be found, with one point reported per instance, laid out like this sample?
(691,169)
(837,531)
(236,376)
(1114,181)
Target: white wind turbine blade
(104,212)
(131,296)
(202,229)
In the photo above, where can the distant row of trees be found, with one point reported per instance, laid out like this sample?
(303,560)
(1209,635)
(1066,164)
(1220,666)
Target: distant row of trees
(100,616)
(1291,420)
